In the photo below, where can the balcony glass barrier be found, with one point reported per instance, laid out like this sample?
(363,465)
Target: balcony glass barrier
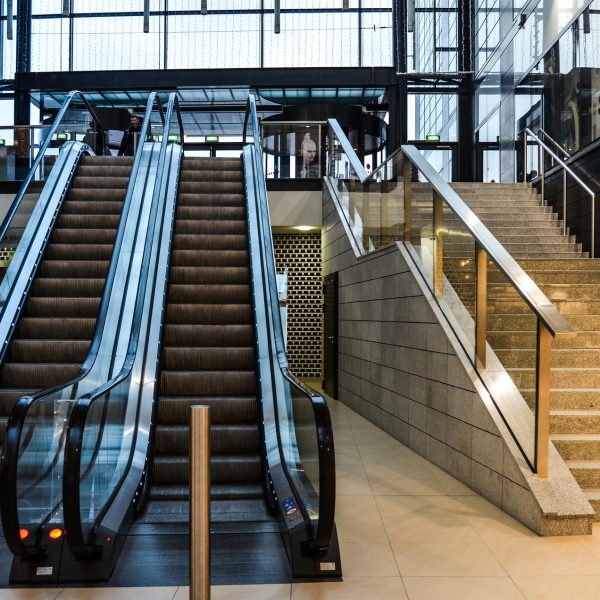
(484,294)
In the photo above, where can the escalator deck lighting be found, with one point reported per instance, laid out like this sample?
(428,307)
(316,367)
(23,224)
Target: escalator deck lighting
(23,533)
(55,534)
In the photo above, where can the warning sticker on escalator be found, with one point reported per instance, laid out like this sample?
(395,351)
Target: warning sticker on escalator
(289,506)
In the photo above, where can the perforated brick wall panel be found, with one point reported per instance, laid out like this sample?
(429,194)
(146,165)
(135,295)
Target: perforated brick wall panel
(301,254)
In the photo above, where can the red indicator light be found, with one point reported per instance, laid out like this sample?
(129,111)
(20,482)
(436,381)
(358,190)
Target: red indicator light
(108,538)
(23,533)
(55,534)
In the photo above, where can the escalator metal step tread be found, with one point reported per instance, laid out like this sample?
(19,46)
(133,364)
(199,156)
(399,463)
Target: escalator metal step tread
(88,221)
(214,186)
(68,287)
(99,183)
(211,213)
(212,242)
(223,409)
(79,251)
(71,268)
(209,335)
(223,469)
(209,258)
(37,374)
(98,207)
(86,307)
(218,491)
(219,358)
(47,350)
(55,329)
(209,383)
(209,275)
(224,438)
(103,171)
(223,227)
(217,314)
(84,236)
(236,293)
(107,161)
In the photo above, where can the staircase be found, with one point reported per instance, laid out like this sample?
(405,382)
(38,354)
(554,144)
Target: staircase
(54,334)
(533,236)
(208,351)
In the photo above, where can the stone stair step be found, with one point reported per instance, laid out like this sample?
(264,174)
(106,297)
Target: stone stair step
(559,378)
(566,308)
(577,446)
(593,497)
(559,358)
(586,473)
(574,421)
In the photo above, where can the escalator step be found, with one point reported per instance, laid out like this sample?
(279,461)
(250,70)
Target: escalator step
(109,161)
(207,258)
(218,491)
(37,374)
(79,251)
(211,242)
(47,350)
(224,439)
(203,213)
(215,314)
(223,468)
(218,186)
(8,397)
(99,183)
(62,307)
(188,226)
(70,268)
(99,207)
(218,200)
(200,166)
(223,409)
(92,195)
(89,221)
(209,383)
(103,171)
(55,329)
(209,275)
(208,358)
(84,236)
(68,288)
(206,294)
(209,335)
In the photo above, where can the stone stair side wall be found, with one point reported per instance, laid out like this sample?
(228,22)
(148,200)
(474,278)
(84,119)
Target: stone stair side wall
(402,368)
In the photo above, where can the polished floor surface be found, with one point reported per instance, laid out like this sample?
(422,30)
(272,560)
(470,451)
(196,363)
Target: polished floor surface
(409,531)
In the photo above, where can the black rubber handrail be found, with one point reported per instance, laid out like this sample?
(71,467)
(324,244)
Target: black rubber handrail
(322,536)
(78,545)
(8,473)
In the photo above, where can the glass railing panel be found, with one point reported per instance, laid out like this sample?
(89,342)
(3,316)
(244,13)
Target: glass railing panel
(303,452)
(459,272)
(511,327)
(422,235)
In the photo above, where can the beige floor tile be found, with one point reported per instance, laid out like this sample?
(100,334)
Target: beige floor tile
(446,559)
(490,522)
(429,529)
(16,594)
(406,487)
(452,486)
(356,506)
(353,486)
(372,559)
(247,592)
(544,556)
(461,588)
(352,588)
(390,457)
(130,593)
(559,588)
(361,529)
(402,471)
(413,506)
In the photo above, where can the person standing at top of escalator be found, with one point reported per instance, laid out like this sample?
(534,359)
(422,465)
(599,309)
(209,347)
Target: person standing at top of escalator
(129,141)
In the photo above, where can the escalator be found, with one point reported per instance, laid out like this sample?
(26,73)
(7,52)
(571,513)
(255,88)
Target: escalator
(200,325)
(54,333)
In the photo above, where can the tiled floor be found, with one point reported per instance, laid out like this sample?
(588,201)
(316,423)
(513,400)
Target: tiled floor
(409,531)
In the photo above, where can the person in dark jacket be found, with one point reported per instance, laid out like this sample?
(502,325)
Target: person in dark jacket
(127,143)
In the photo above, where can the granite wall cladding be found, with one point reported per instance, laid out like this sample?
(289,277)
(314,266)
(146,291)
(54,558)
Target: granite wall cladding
(301,254)
(398,369)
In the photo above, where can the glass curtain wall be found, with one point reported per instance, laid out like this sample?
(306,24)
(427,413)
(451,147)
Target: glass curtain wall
(541,72)
(232,34)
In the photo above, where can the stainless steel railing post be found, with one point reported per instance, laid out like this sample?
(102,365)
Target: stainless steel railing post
(200,503)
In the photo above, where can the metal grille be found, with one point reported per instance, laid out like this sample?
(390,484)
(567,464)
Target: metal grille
(301,254)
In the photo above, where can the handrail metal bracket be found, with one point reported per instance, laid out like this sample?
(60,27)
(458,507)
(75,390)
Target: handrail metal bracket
(480,307)
(542,399)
